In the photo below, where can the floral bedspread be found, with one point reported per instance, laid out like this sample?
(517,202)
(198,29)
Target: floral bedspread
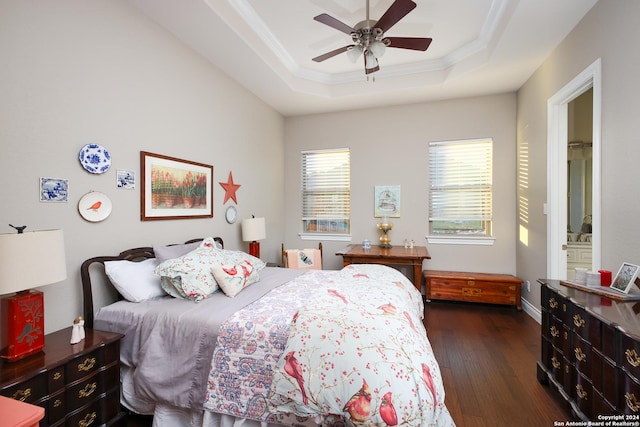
(331,348)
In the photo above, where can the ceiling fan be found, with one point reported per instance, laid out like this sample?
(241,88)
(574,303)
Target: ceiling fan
(369,38)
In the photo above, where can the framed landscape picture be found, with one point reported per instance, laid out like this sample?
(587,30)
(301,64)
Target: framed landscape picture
(173,188)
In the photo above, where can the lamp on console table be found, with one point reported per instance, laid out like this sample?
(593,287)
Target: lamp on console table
(253,229)
(27,260)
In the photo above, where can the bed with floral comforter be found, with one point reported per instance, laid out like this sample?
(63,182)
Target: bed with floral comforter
(330,348)
(272,346)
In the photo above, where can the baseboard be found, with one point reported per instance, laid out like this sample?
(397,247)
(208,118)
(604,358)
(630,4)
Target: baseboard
(532,311)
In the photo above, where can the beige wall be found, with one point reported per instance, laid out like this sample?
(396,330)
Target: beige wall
(75,72)
(608,32)
(389,146)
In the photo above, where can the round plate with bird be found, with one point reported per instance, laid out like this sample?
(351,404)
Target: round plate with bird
(94,206)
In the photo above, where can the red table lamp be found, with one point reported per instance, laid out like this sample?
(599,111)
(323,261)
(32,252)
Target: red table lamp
(253,229)
(27,260)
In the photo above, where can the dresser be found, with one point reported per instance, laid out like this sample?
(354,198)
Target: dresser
(591,352)
(77,385)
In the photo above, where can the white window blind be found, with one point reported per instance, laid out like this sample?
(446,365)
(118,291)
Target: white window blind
(460,192)
(326,191)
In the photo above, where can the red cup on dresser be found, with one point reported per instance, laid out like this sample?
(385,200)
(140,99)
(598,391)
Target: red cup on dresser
(605,277)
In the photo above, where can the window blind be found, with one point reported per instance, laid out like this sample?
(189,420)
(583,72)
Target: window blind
(326,191)
(461,180)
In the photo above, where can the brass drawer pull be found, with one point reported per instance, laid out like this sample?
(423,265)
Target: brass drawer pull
(632,403)
(580,392)
(87,390)
(580,355)
(578,321)
(22,395)
(87,364)
(57,376)
(554,332)
(555,362)
(57,403)
(553,303)
(632,357)
(88,420)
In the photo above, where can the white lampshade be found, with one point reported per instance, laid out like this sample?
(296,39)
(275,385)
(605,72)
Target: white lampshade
(253,229)
(354,53)
(377,48)
(370,61)
(31,259)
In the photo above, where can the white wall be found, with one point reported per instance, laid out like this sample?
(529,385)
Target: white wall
(75,72)
(606,32)
(389,146)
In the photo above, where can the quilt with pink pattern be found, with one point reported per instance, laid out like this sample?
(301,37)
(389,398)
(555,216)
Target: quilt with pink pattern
(330,348)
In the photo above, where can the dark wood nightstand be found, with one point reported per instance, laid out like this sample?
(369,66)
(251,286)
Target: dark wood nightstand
(76,384)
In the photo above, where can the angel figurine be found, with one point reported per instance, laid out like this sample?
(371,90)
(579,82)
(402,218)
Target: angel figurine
(77,331)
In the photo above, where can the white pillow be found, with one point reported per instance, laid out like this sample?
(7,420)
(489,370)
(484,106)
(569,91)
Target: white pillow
(136,281)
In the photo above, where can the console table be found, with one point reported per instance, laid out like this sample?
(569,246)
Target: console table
(591,351)
(393,256)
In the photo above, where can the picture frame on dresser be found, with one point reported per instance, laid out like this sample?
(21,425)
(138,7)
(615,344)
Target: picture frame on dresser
(625,278)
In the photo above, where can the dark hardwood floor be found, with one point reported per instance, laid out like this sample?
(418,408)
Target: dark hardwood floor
(487,355)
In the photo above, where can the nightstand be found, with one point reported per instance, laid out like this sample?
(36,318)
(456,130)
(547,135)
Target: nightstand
(76,384)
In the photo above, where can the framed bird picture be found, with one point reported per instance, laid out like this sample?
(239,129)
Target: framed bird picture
(173,188)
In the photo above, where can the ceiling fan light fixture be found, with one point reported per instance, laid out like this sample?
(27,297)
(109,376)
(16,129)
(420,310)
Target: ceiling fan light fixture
(377,48)
(370,60)
(354,53)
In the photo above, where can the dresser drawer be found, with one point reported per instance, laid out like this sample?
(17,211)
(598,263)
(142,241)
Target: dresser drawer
(97,413)
(55,408)
(585,325)
(86,390)
(56,379)
(584,395)
(629,357)
(28,391)
(629,398)
(581,355)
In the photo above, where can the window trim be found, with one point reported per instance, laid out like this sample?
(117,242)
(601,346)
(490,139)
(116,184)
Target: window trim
(461,239)
(329,235)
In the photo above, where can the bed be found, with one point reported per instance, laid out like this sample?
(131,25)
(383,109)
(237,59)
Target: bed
(265,346)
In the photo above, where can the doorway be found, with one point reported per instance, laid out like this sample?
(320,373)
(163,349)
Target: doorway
(558,208)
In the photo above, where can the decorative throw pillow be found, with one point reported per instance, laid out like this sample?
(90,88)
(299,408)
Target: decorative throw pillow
(190,276)
(164,253)
(238,257)
(135,281)
(232,278)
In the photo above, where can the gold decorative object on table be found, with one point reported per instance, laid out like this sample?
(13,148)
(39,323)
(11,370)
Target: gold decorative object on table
(385,226)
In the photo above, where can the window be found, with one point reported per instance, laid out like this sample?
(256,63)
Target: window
(326,192)
(460,191)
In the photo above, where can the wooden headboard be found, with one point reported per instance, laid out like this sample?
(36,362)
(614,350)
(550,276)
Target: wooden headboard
(135,254)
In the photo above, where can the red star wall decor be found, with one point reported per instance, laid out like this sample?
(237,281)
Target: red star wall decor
(230,189)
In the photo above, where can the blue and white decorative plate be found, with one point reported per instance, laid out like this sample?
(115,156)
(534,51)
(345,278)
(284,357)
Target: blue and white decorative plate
(95,158)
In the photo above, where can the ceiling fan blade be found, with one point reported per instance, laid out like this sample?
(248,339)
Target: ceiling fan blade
(331,54)
(334,23)
(413,43)
(398,10)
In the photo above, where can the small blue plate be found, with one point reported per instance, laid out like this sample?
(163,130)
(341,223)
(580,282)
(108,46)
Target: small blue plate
(95,158)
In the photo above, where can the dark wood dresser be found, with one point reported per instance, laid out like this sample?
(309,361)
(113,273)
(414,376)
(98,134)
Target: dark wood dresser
(78,385)
(591,352)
